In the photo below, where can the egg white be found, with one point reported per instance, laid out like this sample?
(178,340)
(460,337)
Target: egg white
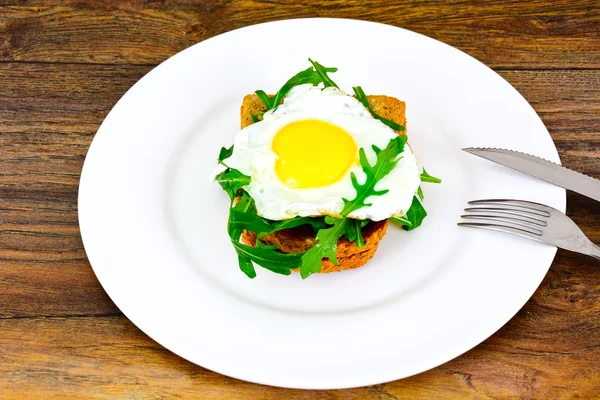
(253,155)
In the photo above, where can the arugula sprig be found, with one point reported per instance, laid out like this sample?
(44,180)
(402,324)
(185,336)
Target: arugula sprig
(242,217)
(327,239)
(250,221)
(425,177)
(322,71)
(314,75)
(231,180)
(416,213)
(362,97)
(414,216)
(224,154)
(403,221)
(386,161)
(354,231)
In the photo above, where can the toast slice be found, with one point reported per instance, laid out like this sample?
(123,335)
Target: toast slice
(385,106)
(302,238)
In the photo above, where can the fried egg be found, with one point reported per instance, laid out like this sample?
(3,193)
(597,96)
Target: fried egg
(301,155)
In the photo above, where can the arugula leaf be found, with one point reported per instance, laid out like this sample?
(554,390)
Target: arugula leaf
(267,258)
(316,223)
(425,177)
(415,214)
(350,233)
(322,71)
(386,161)
(314,75)
(241,220)
(262,245)
(244,205)
(362,97)
(254,118)
(420,193)
(243,215)
(232,180)
(402,221)
(327,239)
(265,99)
(326,246)
(309,75)
(359,238)
(250,221)
(246,266)
(224,154)
(354,232)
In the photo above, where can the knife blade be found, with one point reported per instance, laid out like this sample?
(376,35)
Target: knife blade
(541,169)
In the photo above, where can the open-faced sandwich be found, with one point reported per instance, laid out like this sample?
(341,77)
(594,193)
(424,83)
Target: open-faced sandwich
(315,175)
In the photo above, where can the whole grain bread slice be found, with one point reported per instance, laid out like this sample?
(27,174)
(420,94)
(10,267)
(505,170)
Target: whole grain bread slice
(300,239)
(385,106)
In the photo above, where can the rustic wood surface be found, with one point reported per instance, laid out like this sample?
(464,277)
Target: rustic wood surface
(64,64)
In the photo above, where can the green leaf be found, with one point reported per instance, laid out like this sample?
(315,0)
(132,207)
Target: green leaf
(243,216)
(244,205)
(262,245)
(316,223)
(326,246)
(362,97)
(254,118)
(313,75)
(415,214)
(386,161)
(322,71)
(420,193)
(309,75)
(224,154)
(268,102)
(359,238)
(425,177)
(246,266)
(402,221)
(242,220)
(244,212)
(232,180)
(268,258)
(250,221)
(354,232)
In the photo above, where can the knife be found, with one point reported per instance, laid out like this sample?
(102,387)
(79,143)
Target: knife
(541,169)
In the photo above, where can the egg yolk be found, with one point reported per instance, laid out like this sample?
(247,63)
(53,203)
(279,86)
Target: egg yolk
(313,153)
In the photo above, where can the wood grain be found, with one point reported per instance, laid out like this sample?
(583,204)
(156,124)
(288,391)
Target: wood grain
(549,350)
(504,34)
(64,64)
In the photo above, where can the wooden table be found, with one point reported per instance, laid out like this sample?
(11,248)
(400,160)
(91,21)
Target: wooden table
(64,64)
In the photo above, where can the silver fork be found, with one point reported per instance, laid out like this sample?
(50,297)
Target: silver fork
(531,220)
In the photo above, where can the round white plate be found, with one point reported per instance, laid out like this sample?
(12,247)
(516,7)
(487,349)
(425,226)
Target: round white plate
(154,228)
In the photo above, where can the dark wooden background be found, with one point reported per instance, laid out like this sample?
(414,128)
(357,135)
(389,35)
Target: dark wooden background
(64,64)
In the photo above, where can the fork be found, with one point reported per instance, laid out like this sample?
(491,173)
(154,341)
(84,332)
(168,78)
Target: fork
(531,220)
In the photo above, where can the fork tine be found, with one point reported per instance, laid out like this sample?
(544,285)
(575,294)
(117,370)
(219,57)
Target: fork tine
(521,211)
(508,213)
(501,228)
(513,222)
(528,205)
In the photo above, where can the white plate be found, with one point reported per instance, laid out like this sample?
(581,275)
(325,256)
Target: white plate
(154,229)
